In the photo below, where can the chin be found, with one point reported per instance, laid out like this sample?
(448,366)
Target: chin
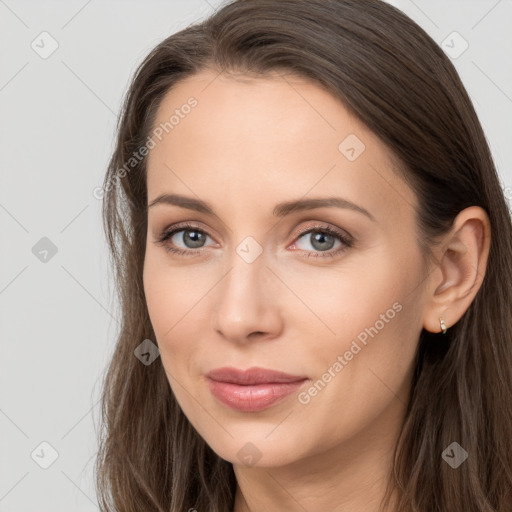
(256,451)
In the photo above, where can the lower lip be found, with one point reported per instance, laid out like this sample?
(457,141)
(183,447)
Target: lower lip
(252,398)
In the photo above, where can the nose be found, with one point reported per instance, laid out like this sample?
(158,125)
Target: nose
(247,305)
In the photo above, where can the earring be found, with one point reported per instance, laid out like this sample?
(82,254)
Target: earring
(443,326)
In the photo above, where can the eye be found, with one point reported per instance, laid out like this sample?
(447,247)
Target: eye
(323,240)
(192,236)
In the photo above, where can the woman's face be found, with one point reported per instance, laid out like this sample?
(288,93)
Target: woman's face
(262,285)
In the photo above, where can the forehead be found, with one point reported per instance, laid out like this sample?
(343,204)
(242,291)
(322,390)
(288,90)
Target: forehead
(278,137)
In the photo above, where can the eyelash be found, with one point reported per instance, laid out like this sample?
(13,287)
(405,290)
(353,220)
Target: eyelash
(346,241)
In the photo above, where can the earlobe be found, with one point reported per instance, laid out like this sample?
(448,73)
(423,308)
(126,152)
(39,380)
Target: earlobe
(462,262)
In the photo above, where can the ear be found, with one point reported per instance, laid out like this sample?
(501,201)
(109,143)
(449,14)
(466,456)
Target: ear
(461,261)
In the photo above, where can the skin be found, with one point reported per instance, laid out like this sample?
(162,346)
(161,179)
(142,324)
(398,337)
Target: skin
(249,144)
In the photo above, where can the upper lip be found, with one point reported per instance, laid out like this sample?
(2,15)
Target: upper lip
(254,375)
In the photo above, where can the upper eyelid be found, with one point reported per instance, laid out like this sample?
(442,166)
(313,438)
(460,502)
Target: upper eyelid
(185,226)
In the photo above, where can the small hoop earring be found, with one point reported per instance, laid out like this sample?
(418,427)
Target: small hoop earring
(443,326)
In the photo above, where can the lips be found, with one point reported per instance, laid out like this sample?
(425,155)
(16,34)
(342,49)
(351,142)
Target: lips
(252,376)
(252,390)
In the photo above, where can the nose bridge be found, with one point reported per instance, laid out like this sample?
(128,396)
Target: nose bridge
(244,286)
(247,260)
(245,303)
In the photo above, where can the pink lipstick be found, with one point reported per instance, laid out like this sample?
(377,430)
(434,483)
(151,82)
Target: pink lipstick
(253,389)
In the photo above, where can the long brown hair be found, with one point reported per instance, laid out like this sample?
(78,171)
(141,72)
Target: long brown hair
(389,73)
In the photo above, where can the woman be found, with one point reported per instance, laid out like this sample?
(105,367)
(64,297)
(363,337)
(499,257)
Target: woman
(271,373)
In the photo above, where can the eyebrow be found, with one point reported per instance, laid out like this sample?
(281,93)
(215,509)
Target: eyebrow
(280,210)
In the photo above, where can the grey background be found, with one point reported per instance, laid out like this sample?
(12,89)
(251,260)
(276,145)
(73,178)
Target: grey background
(57,317)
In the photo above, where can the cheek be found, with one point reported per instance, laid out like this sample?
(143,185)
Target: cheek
(374,311)
(177,301)
(338,302)
(167,298)
(170,291)
(359,324)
